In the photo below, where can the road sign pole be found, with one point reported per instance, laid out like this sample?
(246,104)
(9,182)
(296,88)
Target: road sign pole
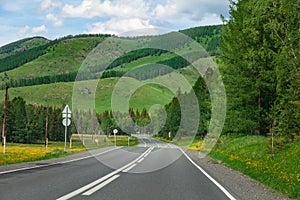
(66,129)
(4,121)
(128,139)
(115,139)
(115,131)
(66,114)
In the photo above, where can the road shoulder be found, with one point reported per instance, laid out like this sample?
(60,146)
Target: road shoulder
(242,186)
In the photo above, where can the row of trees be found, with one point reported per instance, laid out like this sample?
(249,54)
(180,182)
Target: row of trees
(135,55)
(208,36)
(70,77)
(151,70)
(175,116)
(260,67)
(26,123)
(261,54)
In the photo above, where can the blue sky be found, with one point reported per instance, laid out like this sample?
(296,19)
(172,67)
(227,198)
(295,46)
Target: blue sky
(57,18)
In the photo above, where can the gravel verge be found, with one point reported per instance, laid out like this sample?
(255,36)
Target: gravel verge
(242,187)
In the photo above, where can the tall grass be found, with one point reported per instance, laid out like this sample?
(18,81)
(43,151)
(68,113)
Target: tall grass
(251,155)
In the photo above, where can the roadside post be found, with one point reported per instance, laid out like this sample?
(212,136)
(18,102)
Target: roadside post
(115,131)
(4,120)
(128,139)
(66,114)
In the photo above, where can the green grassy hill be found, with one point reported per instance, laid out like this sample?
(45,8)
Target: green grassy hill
(62,58)
(22,45)
(57,94)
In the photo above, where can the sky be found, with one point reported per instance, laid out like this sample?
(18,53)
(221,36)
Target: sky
(57,18)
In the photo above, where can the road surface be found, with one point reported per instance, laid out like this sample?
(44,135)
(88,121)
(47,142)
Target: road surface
(152,171)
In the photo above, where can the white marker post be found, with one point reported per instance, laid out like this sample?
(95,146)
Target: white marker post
(128,139)
(66,114)
(115,131)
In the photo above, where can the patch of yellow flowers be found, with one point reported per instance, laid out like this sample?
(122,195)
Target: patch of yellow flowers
(26,153)
(265,165)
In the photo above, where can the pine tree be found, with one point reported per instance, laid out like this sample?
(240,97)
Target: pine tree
(249,74)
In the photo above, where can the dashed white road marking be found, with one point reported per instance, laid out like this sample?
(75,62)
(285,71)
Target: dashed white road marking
(104,179)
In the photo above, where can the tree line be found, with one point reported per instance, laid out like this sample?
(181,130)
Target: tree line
(70,77)
(261,72)
(208,36)
(26,123)
(261,54)
(151,70)
(174,111)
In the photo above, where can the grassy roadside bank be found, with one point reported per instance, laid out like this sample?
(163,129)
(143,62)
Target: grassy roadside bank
(250,155)
(20,153)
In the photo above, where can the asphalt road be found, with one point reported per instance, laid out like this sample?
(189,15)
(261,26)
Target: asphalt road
(154,171)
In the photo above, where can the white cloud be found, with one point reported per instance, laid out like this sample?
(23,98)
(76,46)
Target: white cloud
(39,29)
(57,21)
(125,15)
(190,12)
(210,19)
(95,8)
(28,31)
(118,26)
(23,31)
(49,5)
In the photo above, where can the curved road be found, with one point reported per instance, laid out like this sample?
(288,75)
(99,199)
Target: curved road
(153,171)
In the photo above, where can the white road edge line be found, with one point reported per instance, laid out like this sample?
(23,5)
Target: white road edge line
(96,182)
(98,187)
(209,177)
(57,163)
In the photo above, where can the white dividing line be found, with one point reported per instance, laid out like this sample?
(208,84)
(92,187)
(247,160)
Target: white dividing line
(209,177)
(98,187)
(92,184)
(57,163)
(140,160)
(129,168)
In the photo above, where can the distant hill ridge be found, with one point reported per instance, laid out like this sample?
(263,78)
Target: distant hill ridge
(37,60)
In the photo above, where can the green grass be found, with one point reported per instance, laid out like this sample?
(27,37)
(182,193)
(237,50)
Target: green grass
(57,94)
(123,141)
(19,153)
(34,42)
(250,155)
